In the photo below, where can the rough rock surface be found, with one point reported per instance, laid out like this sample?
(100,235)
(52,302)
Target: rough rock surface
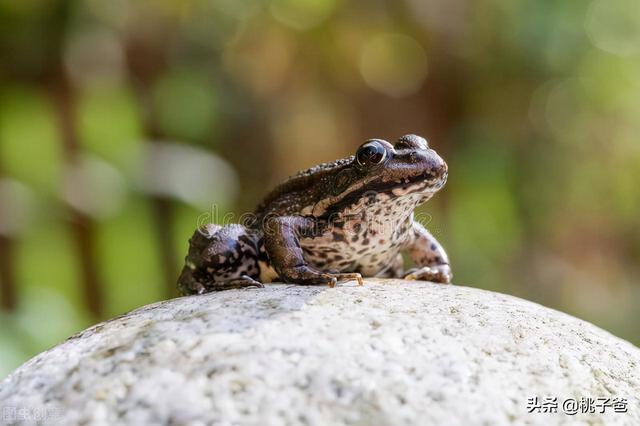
(388,353)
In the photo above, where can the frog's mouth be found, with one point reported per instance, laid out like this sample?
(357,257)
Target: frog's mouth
(425,182)
(423,185)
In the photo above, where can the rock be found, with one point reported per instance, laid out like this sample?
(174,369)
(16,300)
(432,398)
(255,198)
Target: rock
(388,353)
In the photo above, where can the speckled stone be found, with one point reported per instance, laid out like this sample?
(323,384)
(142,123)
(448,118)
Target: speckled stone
(389,353)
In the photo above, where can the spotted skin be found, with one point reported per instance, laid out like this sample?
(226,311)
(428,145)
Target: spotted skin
(221,258)
(429,255)
(336,221)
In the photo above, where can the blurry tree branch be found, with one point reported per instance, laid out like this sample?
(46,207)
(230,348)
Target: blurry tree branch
(7,278)
(145,61)
(63,97)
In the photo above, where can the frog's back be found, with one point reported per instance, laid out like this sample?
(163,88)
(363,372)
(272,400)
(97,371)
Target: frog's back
(303,189)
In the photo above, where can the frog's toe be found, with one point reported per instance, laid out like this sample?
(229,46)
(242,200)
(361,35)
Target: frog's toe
(244,281)
(437,274)
(350,276)
(247,281)
(305,275)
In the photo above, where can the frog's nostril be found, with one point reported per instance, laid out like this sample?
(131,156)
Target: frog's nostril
(442,168)
(438,168)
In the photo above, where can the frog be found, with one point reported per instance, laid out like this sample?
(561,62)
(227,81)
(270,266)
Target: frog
(335,222)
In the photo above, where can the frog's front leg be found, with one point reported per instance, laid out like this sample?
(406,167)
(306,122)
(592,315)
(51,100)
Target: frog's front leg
(282,243)
(432,262)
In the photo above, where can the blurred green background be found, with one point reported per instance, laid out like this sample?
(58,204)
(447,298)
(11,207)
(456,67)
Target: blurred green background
(122,121)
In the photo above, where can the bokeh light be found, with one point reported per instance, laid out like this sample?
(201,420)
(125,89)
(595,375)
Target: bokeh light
(614,26)
(94,187)
(188,174)
(393,64)
(302,14)
(17,205)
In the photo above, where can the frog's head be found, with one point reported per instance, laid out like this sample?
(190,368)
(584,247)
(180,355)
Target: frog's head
(409,167)
(380,170)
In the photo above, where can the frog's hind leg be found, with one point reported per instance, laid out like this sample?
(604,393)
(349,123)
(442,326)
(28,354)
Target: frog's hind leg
(190,283)
(394,270)
(240,282)
(220,258)
(432,262)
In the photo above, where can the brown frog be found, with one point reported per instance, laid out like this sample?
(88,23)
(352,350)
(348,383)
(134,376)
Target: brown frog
(336,221)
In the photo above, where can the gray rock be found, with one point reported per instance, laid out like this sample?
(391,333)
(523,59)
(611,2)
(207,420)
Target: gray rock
(388,353)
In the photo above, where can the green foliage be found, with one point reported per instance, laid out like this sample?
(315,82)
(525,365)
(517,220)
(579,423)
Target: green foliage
(30,148)
(109,126)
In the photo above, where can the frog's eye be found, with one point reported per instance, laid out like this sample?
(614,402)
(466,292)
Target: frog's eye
(370,153)
(412,142)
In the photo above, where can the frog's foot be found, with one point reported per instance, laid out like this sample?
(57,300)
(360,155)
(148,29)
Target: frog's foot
(243,281)
(348,277)
(305,275)
(438,274)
